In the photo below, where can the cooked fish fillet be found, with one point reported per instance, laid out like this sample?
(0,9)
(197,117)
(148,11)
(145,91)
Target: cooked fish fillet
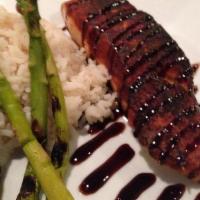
(150,73)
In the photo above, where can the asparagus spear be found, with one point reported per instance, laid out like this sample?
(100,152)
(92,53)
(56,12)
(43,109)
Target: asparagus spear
(48,178)
(37,67)
(39,90)
(60,152)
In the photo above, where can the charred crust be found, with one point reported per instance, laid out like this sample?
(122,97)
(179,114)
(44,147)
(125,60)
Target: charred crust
(28,187)
(57,155)
(38,131)
(55,103)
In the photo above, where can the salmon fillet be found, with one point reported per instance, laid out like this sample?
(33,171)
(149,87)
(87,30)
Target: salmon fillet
(150,73)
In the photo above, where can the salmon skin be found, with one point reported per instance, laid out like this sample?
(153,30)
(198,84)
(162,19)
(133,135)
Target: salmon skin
(150,73)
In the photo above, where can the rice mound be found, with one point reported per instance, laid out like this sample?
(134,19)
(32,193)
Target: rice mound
(84,82)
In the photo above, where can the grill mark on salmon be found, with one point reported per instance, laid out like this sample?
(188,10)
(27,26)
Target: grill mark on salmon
(150,73)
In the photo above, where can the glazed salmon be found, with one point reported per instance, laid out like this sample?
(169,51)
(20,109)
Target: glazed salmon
(150,73)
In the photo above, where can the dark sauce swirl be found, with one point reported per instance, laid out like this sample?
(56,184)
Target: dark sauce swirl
(98,126)
(197,197)
(172,192)
(136,186)
(86,150)
(102,174)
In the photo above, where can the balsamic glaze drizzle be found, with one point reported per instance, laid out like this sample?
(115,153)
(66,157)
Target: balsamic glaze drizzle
(173,142)
(130,29)
(134,87)
(125,15)
(152,34)
(149,24)
(102,174)
(136,186)
(172,192)
(86,150)
(103,11)
(147,113)
(147,57)
(195,144)
(157,139)
(98,126)
(197,197)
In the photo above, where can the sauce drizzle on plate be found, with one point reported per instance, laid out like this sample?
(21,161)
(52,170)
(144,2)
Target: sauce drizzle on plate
(103,173)
(172,192)
(86,150)
(136,186)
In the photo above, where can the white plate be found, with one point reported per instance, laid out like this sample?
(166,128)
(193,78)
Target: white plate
(182,21)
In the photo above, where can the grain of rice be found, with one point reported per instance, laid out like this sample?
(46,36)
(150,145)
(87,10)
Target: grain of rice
(84,82)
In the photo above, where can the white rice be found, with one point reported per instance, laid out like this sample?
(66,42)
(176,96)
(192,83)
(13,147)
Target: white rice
(84,83)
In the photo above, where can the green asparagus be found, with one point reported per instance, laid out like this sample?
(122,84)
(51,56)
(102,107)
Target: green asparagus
(39,87)
(48,178)
(60,152)
(37,66)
